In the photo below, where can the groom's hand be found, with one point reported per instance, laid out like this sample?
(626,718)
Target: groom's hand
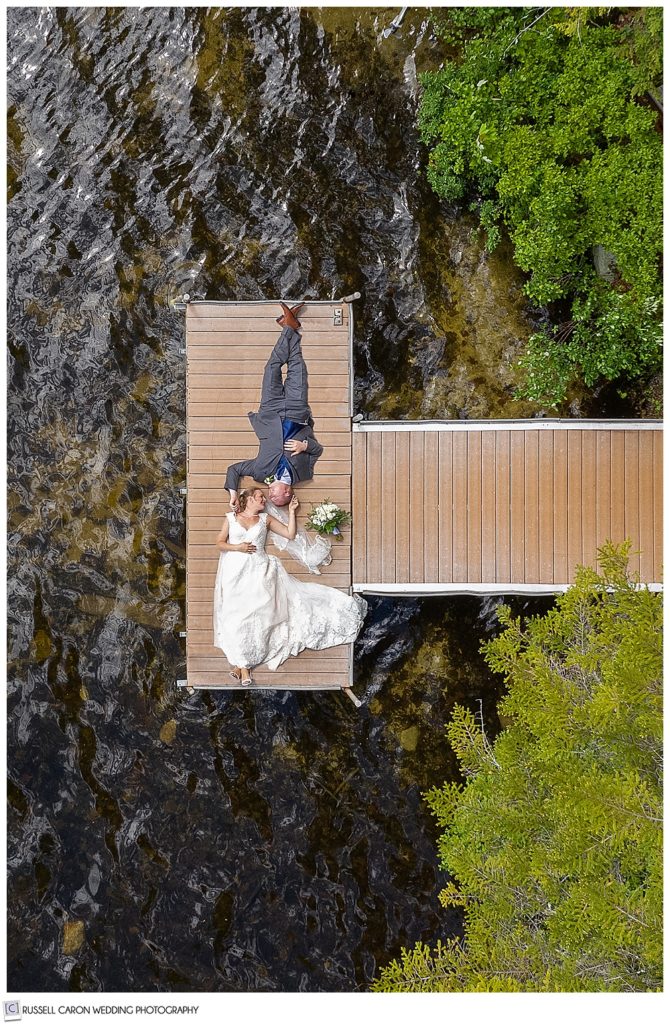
(295,446)
(234,503)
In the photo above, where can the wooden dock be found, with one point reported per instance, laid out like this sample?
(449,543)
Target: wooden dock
(439,507)
(227,346)
(472,507)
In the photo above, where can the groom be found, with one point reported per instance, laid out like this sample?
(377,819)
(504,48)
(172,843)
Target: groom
(283,424)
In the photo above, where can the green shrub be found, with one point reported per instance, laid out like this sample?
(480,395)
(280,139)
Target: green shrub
(538,123)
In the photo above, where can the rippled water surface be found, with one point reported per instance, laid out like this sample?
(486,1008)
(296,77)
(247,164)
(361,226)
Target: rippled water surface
(244,842)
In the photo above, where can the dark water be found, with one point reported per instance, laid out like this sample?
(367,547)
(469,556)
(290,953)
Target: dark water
(256,842)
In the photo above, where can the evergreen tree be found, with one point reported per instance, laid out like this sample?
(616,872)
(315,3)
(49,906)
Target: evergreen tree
(554,840)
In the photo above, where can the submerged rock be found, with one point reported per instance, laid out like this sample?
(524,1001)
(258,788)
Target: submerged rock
(409,738)
(73,936)
(168,732)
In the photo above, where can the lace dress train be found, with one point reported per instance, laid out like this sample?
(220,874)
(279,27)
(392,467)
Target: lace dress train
(262,615)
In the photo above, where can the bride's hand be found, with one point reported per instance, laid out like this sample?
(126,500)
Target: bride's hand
(295,504)
(247,547)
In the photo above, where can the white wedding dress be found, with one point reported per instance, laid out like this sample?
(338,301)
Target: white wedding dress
(262,615)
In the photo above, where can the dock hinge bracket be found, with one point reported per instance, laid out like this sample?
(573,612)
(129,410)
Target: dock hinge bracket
(337,318)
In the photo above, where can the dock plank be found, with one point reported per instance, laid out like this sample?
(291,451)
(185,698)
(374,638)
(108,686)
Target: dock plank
(589,498)
(242,326)
(245,381)
(359,505)
(388,529)
(216,465)
(284,679)
(223,340)
(560,507)
(230,421)
(306,491)
(533,508)
(202,642)
(618,485)
(575,555)
(431,500)
(209,361)
(210,405)
(517,505)
(416,525)
(459,464)
(219,437)
(658,506)
(545,491)
(446,507)
(632,497)
(488,504)
(646,492)
(373,508)
(402,523)
(603,486)
(502,506)
(474,508)
(263,312)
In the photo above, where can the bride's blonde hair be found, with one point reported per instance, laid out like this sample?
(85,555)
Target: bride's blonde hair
(243,496)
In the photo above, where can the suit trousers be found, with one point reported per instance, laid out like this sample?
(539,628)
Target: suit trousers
(287,397)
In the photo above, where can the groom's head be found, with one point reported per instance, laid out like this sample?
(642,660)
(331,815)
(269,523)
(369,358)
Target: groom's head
(279,494)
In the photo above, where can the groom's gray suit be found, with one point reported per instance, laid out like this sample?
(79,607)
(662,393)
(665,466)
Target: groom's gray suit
(280,400)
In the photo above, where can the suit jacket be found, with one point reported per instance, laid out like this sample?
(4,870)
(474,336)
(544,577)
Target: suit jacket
(268,429)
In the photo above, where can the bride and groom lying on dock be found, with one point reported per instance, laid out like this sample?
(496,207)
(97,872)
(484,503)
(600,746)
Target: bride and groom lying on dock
(262,615)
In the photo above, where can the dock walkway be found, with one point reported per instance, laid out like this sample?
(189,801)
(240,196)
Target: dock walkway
(499,506)
(227,346)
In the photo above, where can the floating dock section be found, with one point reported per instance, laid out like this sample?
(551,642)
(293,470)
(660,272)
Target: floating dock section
(227,346)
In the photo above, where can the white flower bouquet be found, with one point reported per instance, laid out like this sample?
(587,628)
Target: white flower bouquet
(327,518)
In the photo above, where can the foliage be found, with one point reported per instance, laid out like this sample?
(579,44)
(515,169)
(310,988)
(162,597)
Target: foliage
(611,336)
(554,840)
(539,123)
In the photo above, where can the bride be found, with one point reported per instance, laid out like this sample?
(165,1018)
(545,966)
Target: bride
(262,615)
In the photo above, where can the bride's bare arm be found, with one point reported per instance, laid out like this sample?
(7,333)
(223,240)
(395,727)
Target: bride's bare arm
(223,545)
(286,531)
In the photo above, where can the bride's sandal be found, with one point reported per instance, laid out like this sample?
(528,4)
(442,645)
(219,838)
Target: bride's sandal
(248,681)
(236,675)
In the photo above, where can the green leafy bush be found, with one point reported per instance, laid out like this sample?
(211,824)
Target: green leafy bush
(538,123)
(610,337)
(554,841)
